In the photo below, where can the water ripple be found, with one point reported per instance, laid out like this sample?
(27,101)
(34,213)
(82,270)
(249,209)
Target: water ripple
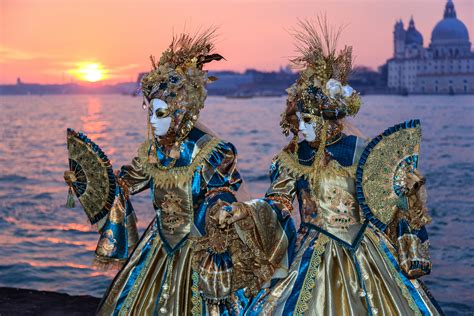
(48,247)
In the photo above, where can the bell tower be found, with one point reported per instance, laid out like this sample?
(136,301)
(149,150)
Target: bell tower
(399,40)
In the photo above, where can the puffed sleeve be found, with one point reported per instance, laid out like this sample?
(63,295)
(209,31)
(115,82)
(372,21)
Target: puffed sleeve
(259,247)
(220,174)
(118,231)
(219,179)
(269,230)
(134,176)
(409,234)
(282,190)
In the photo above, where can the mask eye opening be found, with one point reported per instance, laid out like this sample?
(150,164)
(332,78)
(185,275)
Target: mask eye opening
(307,118)
(162,113)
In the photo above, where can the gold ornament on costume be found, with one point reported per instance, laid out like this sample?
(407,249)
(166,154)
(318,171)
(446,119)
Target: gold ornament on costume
(341,213)
(250,266)
(172,215)
(179,80)
(107,244)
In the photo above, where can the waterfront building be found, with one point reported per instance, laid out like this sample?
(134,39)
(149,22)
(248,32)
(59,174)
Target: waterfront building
(446,66)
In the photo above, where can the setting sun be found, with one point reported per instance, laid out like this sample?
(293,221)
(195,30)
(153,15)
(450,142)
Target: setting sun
(91,72)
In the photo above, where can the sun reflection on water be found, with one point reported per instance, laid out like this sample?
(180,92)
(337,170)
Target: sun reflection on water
(93,124)
(46,246)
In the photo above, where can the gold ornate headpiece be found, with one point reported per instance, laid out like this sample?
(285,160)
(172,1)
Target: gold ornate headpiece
(179,80)
(321,88)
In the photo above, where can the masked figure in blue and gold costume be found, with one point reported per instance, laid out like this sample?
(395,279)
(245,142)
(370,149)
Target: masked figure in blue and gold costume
(190,173)
(346,262)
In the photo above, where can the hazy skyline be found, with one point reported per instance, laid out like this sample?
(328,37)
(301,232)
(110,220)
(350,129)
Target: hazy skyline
(42,41)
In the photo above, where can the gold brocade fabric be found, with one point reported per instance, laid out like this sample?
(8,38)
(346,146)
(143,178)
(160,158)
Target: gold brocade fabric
(158,277)
(256,244)
(157,269)
(342,267)
(337,289)
(266,243)
(135,177)
(175,212)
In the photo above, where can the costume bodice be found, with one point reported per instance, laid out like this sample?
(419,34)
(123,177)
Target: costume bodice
(181,192)
(330,204)
(326,196)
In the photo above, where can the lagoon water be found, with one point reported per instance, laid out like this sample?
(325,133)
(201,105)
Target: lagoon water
(45,246)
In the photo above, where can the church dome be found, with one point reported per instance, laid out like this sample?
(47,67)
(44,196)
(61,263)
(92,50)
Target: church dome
(412,36)
(450,28)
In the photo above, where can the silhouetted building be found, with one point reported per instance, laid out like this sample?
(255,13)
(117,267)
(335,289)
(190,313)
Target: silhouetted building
(446,66)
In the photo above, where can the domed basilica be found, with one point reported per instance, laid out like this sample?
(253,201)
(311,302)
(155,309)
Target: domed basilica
(446,66)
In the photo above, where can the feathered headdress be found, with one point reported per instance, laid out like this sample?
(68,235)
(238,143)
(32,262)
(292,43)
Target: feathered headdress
(321,88)
(179,80)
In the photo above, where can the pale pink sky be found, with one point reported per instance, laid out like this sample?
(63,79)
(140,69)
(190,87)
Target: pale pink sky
(40,40)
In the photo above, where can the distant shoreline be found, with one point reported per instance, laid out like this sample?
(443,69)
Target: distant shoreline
(251,83)
(14,301)
(224,96)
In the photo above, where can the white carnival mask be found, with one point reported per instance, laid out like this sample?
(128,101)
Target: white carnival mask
(160,118)
(307,128)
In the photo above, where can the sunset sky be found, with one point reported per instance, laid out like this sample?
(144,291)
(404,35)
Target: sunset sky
(50,41)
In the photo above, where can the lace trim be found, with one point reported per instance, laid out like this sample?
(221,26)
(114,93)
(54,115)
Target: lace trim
(196,298)
(310,278)
(285,202)
(214,191)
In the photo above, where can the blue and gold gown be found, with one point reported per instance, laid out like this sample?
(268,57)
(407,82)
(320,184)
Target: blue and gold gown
(344,264)
(157,275)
